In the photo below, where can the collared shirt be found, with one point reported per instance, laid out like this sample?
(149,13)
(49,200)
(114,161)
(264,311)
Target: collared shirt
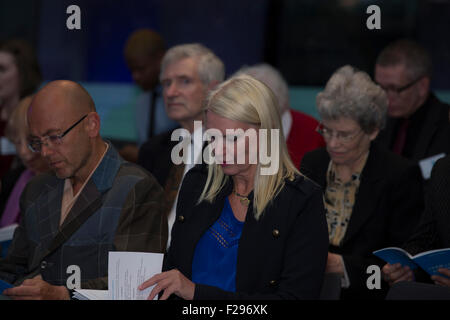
(193,152)
(286,121)
(339,201)
(69,199)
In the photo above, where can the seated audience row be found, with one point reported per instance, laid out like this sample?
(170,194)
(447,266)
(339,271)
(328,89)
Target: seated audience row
(217,222)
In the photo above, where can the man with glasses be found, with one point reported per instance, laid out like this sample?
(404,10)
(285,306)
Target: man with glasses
(418,126)
(94,203)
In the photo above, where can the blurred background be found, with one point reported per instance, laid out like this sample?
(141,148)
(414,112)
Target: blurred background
(307,40)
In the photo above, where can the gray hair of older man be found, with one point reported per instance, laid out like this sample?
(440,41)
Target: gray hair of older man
(411,54)
(351,93)
(210,67)
(272,78)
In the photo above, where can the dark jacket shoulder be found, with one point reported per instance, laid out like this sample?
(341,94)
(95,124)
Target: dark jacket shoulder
(155,156)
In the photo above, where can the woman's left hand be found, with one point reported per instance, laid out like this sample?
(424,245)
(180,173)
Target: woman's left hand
(334,264)
(172,281)
(440,280)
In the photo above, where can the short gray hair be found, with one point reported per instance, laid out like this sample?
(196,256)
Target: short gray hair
(272,78)
(351,93)
(210,67)
(415,57)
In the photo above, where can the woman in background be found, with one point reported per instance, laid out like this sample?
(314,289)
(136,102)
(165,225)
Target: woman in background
(33,163)
(20,76)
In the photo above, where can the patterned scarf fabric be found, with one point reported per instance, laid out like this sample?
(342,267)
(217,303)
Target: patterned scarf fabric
(339,201)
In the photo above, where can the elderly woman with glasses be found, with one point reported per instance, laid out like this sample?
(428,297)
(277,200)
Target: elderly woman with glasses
(373,198)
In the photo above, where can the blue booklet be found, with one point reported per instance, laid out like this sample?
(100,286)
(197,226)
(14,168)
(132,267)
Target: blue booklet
(4,285)
(430,261)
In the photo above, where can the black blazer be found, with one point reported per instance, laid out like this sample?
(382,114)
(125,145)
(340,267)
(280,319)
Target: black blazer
(154,155)
(281,256)
(434,229)
(434,137)
(387,208)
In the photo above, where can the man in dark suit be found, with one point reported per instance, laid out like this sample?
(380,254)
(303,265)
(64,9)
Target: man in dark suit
(95,202)
(417,126)
(188,73)
(432,233)
(143,53)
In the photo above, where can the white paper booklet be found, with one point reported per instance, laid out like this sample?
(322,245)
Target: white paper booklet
(88,294)
(426,165)
(126,272)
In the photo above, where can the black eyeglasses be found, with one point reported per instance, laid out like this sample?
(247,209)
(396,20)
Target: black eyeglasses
(53,140)
(398,90)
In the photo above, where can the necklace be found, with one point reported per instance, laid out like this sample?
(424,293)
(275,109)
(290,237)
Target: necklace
(245,201)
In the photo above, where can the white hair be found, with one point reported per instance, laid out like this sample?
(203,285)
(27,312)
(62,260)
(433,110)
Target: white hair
(272,78)
(210,67)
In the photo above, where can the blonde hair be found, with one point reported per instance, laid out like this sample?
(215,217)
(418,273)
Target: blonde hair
(243,98)
(273,79)
(17,123)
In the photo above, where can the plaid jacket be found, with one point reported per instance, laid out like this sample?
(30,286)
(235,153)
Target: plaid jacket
(118,210)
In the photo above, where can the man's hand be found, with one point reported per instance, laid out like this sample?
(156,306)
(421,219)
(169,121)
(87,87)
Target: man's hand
(393,273)
(442,281)
(37,289)
(172,281)
(334,264)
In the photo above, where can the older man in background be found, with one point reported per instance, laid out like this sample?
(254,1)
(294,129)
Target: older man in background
(188,73)
(418,126)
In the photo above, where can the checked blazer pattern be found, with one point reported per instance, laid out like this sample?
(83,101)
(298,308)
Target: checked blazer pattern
(118,210)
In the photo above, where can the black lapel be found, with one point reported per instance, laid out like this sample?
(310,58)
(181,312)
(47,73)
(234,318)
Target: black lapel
(428,130)
(387,135)
(316,169)
(246,243)
(369,189)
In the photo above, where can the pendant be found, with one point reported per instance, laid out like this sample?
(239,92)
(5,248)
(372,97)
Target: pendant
(244,201)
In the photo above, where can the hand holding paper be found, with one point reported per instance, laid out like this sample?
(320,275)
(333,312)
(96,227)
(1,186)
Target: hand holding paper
(128,270)
(172,281)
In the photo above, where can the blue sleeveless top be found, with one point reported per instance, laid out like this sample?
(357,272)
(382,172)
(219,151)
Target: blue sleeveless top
(215,255)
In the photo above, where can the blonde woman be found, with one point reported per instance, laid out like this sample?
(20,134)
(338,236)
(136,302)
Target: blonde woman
(239,233)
